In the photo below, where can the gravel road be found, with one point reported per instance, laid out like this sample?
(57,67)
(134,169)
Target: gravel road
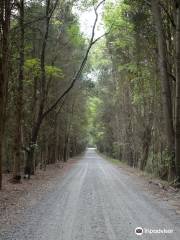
(96,201)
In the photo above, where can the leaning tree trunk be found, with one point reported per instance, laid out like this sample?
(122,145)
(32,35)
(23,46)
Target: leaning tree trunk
(36,127)
(177,114)
(19,101)
(165,84)
(5,12)
(93,40)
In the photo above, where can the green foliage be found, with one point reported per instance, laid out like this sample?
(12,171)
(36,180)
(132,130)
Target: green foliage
(53,71)
(116,19)
(99,57)
(129,67)
(86,4)
(94,132)
(33,66)
(75,35)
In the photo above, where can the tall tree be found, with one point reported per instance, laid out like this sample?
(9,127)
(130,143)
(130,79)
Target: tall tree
(19,100)
(5,13)
(177,113)
(165,82)
(50,8)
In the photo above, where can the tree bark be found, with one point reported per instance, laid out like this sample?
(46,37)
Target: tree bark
(5,12)
(165,84)
(177,107)
(145,147)
(19,101)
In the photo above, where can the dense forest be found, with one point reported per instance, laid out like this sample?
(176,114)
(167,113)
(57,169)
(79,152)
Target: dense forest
(137,103)
(61,91)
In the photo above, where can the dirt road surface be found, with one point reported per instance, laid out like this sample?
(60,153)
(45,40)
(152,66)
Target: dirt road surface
(96,201)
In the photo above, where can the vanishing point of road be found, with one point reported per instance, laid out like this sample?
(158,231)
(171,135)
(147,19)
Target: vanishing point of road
(95,200)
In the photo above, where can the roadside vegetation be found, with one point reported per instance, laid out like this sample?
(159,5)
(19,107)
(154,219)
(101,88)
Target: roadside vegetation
(42,56)
(136,115)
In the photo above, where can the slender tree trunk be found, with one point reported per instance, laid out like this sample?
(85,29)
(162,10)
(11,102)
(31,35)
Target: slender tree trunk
(5,12)
(19,101)
(57,141)
(37,124)
(145,147)
(31,148)
(65,154)
(165,84)
(177,113)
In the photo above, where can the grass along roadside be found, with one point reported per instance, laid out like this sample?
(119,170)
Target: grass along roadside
(161,189)
(150,177)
